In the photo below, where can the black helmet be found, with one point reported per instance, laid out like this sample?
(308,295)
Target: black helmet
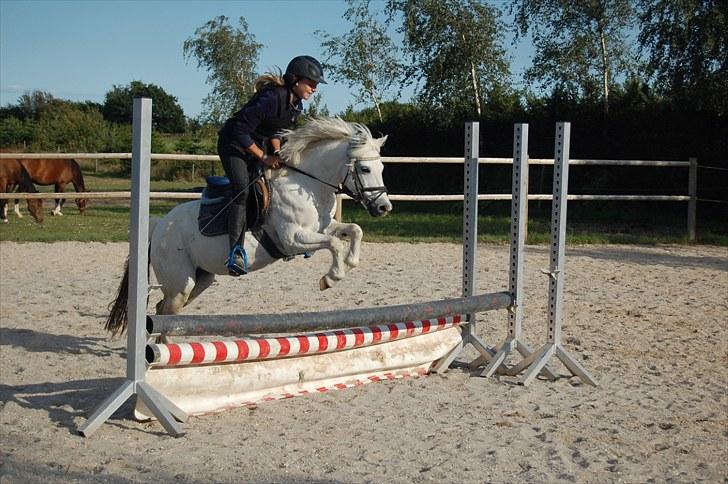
(305,66)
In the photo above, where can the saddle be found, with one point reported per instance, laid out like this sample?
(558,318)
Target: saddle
(212,219)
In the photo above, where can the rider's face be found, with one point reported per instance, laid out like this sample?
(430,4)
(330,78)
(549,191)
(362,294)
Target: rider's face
(304,88)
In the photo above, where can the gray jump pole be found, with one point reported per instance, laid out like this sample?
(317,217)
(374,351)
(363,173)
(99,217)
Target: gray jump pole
(242,324)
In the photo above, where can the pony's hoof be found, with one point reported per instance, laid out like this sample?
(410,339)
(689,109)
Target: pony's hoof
(18,215)
(5,221)
(324,284)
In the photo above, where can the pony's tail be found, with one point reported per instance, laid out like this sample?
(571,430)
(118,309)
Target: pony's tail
(118,318)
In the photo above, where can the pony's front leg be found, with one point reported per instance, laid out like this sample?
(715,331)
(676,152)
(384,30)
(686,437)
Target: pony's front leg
(4,204)
(352,232)
(306,241)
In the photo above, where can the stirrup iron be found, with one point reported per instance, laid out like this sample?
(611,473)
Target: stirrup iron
(234,268)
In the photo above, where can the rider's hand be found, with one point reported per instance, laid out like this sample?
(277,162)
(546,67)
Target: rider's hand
(272,161)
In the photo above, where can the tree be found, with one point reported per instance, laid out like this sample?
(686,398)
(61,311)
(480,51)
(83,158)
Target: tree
(229,55)
(32,105)
(365,58)
(167,115)
(686,42)
(456,51)
(580,44)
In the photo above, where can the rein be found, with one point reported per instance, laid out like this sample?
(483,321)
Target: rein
(342,188)
(339,189)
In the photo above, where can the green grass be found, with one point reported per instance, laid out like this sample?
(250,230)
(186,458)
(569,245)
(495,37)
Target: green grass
(100,223)
(589,223)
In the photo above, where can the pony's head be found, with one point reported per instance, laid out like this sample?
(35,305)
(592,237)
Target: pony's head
(362,179)
(78,184)
(35,207)
(365,179)
(81,203)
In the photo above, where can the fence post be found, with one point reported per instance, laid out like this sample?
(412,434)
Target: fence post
(693,202)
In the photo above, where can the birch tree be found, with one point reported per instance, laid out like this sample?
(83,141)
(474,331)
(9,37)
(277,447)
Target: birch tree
(365,58)
(229,55)
(686,45)
(581,45)
(456,51)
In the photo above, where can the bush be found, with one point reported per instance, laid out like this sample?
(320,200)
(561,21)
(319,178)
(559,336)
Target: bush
(14,132)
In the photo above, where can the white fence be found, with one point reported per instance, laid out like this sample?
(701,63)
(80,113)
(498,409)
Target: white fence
(690,197)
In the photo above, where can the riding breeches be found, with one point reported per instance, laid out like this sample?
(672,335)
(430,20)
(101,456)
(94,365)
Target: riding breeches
(240,171)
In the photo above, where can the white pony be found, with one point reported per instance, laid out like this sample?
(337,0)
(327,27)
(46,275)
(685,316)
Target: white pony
(324,157)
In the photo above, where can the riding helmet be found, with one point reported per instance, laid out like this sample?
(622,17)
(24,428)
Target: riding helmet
(304,66)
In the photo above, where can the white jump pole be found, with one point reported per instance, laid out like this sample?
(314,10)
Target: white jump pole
(165,411)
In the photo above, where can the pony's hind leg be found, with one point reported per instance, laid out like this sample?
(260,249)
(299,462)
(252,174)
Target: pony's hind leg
(177,296)
(203,280)
(176,292)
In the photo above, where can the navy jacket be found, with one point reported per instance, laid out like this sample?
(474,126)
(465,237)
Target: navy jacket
(263,117)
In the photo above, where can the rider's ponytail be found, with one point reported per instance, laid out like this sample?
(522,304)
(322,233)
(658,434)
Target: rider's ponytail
(272,78)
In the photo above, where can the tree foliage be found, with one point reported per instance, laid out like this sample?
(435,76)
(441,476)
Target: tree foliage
(40,122)
(456,50)
(167,115)
(366,58)
(686,43)
(229,55)
(580,46)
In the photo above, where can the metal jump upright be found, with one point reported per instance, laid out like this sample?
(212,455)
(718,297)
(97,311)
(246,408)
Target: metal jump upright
(166,411)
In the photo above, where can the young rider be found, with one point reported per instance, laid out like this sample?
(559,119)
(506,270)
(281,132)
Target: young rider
(251,137)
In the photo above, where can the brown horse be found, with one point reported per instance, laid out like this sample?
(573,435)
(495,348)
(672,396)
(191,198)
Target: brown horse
(57,172)
(13,175)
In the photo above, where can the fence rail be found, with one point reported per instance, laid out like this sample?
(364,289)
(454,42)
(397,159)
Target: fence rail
(691,165)
(385,159)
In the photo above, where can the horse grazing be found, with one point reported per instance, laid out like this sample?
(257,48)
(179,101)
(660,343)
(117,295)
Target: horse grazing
(12,176)
(325,157)
(59,173)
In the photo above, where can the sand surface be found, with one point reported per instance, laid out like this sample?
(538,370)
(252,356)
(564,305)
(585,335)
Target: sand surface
(650,323)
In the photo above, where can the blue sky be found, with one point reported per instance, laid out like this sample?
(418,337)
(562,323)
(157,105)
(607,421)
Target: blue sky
(79,50)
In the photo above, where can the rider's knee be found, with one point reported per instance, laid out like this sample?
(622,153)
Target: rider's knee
(239,194)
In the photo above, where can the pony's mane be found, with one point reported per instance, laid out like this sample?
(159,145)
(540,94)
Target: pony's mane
(322,129)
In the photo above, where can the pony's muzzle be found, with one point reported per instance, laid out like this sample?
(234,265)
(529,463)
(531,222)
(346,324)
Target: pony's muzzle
(380,208)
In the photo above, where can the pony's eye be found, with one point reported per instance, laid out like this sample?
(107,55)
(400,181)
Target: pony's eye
(365,169)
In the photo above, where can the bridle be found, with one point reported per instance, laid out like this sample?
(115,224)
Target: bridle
(359,194)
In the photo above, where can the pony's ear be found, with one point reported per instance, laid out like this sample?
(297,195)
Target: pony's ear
(381,141)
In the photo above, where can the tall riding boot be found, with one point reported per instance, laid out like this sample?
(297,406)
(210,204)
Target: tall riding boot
(237,261)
